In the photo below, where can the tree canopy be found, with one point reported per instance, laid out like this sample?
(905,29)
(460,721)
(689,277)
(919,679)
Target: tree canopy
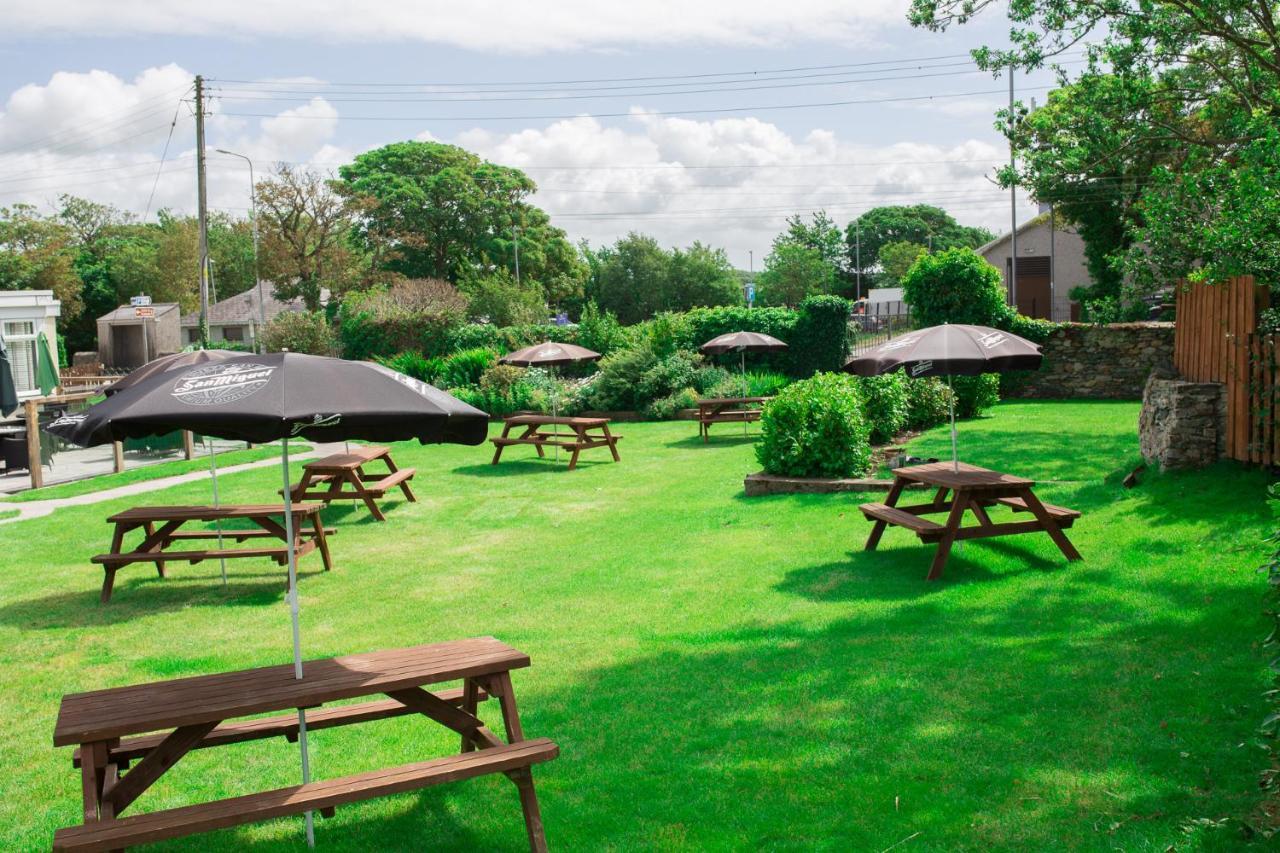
(917,223)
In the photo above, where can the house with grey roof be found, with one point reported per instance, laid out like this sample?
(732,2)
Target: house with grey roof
(238,319)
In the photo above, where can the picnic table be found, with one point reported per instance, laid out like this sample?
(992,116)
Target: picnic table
(971,489)
(129,737)
(161,526)
(725,410)
(583,434)
(342,476)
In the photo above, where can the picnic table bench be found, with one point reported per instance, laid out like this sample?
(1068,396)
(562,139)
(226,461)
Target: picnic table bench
(161,526)
(972,489)
(129,737)
(342,476)
(584,434)
(726,410)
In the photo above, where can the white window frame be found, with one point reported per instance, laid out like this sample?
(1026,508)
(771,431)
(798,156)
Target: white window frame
(25,385)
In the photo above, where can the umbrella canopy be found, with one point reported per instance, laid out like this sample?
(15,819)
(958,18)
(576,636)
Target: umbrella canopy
(742,342)
(261,398)
(46,373)
(174,361)
(949,350)
(549,354)
(8,390)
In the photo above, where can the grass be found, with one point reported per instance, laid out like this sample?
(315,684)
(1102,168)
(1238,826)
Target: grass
(144,473)
(720,672)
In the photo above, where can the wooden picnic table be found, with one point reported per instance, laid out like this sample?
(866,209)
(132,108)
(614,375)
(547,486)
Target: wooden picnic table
(583,434)
(725,410)
(161,526)
(342,476)
(971,489)
(129,737)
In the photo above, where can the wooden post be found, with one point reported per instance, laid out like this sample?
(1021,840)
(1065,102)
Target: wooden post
(30,409)
(188,445)
(117,456)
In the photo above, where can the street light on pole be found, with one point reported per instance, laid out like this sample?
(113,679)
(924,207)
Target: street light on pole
(253,211)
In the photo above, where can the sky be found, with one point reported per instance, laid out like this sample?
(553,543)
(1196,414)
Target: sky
(707,120)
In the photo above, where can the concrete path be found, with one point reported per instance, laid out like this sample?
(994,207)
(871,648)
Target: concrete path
(36,509)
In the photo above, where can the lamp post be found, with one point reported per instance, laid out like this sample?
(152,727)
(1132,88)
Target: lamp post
(253,211)
(515,236)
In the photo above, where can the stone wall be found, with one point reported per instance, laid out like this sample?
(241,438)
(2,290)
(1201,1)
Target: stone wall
(1182,423)
(1097,362)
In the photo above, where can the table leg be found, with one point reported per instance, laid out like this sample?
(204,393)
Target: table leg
(954,520)
(533,431)
(1050,526)
(354,479)
(523,778)
(404,484)
(613,445)
(877,529)
(497,450)
(317,524)
(159,546)
(92,769)
(469,703)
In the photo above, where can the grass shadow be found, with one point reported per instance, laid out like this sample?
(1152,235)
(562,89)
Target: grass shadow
(722,440)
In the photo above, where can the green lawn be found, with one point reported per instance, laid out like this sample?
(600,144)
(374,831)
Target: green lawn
(720,673)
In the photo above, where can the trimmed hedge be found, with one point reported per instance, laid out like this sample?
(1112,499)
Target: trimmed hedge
(815,428)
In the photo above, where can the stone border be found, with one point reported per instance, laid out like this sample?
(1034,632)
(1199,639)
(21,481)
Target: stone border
(760,483)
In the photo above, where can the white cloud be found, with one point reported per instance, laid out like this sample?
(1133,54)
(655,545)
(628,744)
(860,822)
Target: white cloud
(490,25)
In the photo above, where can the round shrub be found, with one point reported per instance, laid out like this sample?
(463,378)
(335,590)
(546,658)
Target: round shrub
(975,394)
(928,402)
(300,331)
(956,286)
(884,405)
(666,408)
(815,428)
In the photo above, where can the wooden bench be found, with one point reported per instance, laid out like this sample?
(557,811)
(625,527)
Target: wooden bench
(117,765)
(342,477)
(161,527)
(928,531)
(584,434)
(723,410)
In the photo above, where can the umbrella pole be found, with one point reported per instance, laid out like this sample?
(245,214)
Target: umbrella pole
(293,617)
(743,360)
(217,522)
(955,460)
(555,410)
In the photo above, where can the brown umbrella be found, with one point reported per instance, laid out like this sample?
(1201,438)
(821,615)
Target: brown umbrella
(550,354)
(742,343)
(170,362)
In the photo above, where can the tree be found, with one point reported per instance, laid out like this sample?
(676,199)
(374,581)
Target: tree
(918,223)
(792,272)
(631,278)
(895,259)
(305,229)
(497,298)
(956,286)
(37,253)
(822,234)
(701,276)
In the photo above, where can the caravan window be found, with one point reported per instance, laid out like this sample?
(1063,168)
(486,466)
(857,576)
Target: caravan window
(20,340)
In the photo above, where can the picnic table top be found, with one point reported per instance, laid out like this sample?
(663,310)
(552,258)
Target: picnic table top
(354,458)
(548,419)
(141,708)
(966,477)
(209,513)
(720,401)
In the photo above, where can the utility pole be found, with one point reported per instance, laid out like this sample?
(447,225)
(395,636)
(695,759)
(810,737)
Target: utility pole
(857,256)
(257,276)
(1013,205)
(203,214)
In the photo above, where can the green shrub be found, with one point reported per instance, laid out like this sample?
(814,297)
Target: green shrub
(815,428)
(666,408)
(975,394)
(819,341)
(956,286)
(1035,330)
(615,387)
(413,314)
(709,378)
(600,330)
(667,376)
(466,367)
(756,383)
(884,405)
(300,331)
(928,402)
(415,364)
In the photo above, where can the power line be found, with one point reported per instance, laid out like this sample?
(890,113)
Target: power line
(163,155)
(130,116)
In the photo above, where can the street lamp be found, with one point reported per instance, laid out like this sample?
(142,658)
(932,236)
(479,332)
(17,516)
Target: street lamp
(253,209)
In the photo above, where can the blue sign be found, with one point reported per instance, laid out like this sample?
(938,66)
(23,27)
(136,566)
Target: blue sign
(750,291)
(562,319)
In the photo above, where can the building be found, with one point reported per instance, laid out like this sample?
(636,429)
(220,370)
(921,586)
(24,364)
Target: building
(126,340)
(24,314)
(1050,265)
(237,319)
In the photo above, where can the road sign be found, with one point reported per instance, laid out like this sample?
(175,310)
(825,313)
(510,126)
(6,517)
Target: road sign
(749,290)
(140,301)
(144,312)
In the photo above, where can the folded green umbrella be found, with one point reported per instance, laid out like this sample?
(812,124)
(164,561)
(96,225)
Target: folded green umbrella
(46,371)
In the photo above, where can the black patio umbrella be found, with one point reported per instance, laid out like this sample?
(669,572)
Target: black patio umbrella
(173,361)
(742,343)
(949,350)
(262,398)
(550,354)
(8,390)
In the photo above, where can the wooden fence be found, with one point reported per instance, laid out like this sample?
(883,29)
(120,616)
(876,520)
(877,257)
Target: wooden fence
(1217,340)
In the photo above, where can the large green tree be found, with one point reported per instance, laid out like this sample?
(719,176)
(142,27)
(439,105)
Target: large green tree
(793,271)
(917,223)
(636,278)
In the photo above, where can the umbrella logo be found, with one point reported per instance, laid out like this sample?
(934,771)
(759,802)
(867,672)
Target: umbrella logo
(218,384)
(898,343)
(317,420)
(921,367)
(992,339)
(68,420)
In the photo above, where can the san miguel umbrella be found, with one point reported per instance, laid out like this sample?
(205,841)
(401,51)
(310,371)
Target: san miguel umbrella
(262,398)
(550,354)
(949,350)
(177,361)
(742,343)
